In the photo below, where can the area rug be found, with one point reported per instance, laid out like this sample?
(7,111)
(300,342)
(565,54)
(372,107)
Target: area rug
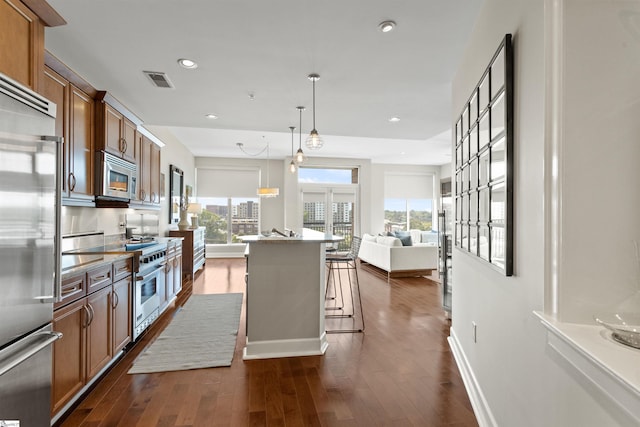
(201,335)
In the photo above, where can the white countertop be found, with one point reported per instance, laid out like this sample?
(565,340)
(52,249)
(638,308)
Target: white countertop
(307,236)
(612,366)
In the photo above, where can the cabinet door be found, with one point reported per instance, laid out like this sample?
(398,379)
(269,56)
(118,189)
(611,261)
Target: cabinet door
(168,278)
(154,173)
(113,131)
(143,172)
(128,147)
(21,44)
(121,303)
(68,353)
(56,90)
(99,331)
(177,273)
(81,146)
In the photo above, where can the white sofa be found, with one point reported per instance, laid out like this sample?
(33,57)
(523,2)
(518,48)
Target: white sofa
(388,254)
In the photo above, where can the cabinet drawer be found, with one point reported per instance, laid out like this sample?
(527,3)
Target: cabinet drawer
(98,278)
(72,288)
(122,268)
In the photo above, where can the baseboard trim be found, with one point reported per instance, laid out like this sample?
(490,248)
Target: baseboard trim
(480,406)
(285,348)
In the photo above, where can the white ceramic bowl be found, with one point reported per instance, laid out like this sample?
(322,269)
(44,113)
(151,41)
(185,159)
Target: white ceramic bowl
(624,327)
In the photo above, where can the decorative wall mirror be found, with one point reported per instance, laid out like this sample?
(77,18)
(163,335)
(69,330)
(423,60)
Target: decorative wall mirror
(484,165)
(176,185)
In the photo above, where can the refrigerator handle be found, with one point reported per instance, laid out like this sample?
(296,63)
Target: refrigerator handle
(17,353)
(57,240)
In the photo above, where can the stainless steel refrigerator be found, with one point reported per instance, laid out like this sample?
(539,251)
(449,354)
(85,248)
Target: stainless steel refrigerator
(30,163)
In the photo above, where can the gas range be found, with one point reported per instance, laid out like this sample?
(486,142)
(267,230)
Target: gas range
(151,253)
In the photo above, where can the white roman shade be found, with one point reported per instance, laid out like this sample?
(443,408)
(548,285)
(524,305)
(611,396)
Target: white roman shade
(408,186)
(227,182)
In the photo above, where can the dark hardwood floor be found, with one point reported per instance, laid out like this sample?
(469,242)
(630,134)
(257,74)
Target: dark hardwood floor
(399,372)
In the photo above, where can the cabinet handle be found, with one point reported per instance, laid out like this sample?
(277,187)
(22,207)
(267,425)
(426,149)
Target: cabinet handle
(88,322)
(100,278)
(72,181)
(123,145)
(175,263)
(143,194)
(116,300)
(153,197)
(92,314)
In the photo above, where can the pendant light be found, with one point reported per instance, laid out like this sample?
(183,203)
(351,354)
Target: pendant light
(292,165)
(268,191)
(300,157)
(314,141)
(262,191)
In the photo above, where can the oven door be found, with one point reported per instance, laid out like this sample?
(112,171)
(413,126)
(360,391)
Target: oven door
(147,299)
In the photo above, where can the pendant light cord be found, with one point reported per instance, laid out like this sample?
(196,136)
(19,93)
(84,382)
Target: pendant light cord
(314,102)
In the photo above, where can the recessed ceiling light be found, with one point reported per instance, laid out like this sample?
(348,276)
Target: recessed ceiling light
(394,119)
(386,26)
(211,116)
(187,63)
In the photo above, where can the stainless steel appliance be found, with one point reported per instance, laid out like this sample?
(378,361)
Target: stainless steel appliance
(116,178)
(29,251)
(150,284)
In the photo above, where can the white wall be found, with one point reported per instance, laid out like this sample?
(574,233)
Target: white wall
(173,153)
(519,383)
(598,154)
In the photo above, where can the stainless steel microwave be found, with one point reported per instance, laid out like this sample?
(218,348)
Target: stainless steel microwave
(115,178)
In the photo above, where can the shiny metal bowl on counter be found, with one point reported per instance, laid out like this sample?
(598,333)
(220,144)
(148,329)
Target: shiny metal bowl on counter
(624,327)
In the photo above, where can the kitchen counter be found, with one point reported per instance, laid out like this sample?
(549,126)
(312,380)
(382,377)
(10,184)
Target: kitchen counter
(285,295)
(95,260)
(307,236)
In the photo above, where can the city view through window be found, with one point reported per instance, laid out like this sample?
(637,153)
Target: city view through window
(407,214)
(227,219)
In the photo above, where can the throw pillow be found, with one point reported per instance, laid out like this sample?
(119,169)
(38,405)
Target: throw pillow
(405,238)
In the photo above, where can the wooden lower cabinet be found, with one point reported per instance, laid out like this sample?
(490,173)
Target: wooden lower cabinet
(122,322)
(69,373)
(177,272)
(95,328)
(99,343)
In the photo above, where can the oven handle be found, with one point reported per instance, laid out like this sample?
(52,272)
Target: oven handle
(152,273)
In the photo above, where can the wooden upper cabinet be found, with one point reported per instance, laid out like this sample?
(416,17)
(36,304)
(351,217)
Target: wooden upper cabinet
(143,169)
(148,156)
(21,44)
(154,170)
(56,89)
(74,122)
(115,132)
(81,144)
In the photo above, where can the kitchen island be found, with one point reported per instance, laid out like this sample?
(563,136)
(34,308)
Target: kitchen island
(285,295)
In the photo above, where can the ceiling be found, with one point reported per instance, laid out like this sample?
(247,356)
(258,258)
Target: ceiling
(253,61)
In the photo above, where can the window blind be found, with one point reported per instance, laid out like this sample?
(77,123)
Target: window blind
(408,186)
(226,182)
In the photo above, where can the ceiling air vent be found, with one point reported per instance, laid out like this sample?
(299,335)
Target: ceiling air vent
(159,79)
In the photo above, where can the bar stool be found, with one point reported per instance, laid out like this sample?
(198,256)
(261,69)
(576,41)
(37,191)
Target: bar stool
(336,263)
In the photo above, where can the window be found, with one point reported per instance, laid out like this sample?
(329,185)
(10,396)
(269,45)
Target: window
(230,208)
(228,219)
(309,175)
(407,214)
(408,201)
